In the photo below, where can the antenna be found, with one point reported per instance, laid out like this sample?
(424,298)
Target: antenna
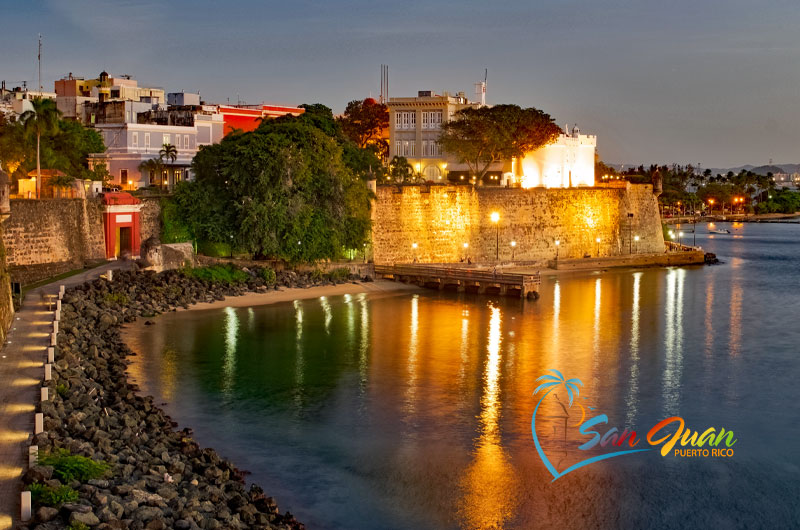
(384,97)
(40,64)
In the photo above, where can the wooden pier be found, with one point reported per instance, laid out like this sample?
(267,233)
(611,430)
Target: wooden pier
(464,279)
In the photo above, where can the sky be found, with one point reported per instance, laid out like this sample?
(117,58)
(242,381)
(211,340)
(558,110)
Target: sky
(703,82)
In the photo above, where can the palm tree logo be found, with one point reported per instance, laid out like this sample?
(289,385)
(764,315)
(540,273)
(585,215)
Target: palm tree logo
(550,383)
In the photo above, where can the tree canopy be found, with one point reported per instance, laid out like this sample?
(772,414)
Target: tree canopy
(282,191)
(484,135)
(364,121)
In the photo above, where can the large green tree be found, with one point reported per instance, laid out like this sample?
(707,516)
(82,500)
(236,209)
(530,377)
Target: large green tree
(282,191)
(364,122)
(484,135)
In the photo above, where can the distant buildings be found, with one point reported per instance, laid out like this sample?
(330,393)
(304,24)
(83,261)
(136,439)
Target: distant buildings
(246,118)
(72,92)
(415,125)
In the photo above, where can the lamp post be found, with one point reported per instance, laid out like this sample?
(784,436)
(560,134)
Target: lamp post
(558,244)
(513,248)
(414,247)
(636,238)
(496,220)
(630,231)
(597,240)
(711,206)
(680,238)
(466,246)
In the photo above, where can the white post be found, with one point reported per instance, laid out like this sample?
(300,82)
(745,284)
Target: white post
(58,305)
(61,290)
(33,455)
(45,393)
(55,326)
(51,353)
(38,423)
(53,339)
(110,275)
(57,315)
(25,506)
(48,372)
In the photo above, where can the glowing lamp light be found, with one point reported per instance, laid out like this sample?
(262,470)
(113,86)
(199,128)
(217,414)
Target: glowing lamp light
(636,238)
(413,245)
(466,245)
(513,243)
(558,242)
(495,217)
(597,240)
(680,234)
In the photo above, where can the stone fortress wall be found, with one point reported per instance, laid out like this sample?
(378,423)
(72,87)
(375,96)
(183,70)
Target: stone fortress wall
(47,237)
(440,219)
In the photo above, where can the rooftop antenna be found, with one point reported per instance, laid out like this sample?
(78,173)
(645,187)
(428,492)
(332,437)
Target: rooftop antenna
(384,97)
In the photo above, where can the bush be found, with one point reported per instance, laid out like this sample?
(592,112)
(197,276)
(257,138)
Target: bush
(62,390)
(269,276)
(339,275)
(116,298)
(77,525)
(68,467)
(227,274)
(173,230)
(215,250)
(50,496)
(317,275)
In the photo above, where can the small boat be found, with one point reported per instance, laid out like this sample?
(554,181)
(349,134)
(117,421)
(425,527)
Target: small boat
(719,231)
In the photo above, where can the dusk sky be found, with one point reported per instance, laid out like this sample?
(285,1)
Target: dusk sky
(716,83)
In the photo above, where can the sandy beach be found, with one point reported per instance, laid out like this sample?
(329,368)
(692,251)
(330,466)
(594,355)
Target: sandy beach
(296,293)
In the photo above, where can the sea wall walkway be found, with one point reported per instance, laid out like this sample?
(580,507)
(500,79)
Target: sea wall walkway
(22,361)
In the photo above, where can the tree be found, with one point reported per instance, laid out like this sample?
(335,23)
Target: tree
(283,191)
(168,152)
(364,122)
(484,135)
(43,119)
(153,167)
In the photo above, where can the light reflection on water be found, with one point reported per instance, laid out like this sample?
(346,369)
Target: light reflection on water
(413,411)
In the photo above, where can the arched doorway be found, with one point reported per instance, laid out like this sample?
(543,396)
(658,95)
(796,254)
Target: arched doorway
(433,173)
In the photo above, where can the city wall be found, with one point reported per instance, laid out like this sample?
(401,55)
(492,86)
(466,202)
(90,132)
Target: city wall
(47,237)
(441,219)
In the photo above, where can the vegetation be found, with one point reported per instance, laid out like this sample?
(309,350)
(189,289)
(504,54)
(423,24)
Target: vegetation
(285,190)
(41,139)
(269,276)
(173,230)
(227,274)
(401,172)
(68,467)
(62,390)
(481,136)
(117,298)
(363,122)
(339,274)
(42,494)
(77,525)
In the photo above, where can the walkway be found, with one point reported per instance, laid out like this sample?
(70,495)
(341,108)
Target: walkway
(21,373)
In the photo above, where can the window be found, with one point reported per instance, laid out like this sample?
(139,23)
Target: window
(424,146)
(186,142)
(166,139)
(436,120)
(123,177)
(412,148)
(398,149)
(178,175)
(147,140)
(177,141)
(435,151)
(405,120)
(412,120)
(398,120)
(424,125)
(135,140)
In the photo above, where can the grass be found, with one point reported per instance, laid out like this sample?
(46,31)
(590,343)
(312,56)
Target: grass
(227,274)
(340,274)
(50,496)
(68,467)
(61,276)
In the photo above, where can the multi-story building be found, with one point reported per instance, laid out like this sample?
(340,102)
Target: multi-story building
(73,92)
(414,129)
(246,118)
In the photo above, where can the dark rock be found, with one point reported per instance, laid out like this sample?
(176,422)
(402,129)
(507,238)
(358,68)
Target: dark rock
(45,513)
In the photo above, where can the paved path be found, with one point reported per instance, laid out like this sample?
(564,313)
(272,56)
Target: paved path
(21,372)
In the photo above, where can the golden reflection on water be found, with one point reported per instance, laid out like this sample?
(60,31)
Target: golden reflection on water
(633,383)
(673,342)
(488,484)
(299,363)
(229,363)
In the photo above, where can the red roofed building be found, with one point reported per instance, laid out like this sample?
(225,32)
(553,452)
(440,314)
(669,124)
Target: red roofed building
(121,223)
(246,117)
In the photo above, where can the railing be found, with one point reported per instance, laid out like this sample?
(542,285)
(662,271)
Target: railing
(679,247)
(460,274)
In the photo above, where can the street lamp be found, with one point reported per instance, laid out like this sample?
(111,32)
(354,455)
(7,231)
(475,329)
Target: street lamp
(680,238)
(495,217)
(597,240)
(711,205)
(558,243)
(513,248)
(466,246)
(414,246)
(636,238)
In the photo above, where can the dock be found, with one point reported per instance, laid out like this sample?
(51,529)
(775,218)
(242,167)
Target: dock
(462,279)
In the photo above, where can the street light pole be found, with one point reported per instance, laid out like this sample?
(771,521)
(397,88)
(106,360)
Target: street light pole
(495,217)
(630,232)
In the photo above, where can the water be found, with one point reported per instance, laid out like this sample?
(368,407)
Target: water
(414,410)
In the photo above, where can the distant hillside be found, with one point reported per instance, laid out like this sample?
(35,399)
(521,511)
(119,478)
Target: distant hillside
(759,170)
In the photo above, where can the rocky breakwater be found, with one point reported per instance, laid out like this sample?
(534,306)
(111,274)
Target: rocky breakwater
(151,476)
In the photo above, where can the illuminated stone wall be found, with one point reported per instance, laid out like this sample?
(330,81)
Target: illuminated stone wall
(440,219)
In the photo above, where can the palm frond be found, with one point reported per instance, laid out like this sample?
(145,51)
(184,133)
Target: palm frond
(543,386)
(548,378)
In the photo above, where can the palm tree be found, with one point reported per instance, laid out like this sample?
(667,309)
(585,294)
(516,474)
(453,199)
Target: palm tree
(168,152)
(43,119)
(551,383)
(153,166)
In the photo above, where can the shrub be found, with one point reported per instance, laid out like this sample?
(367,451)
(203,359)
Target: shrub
(215,250)
(68,467)
(50,496)
(77,525)
(269,276)
(62,390)
(317,275)
(117,298)
(218,274)
(340,274)
(173,230)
